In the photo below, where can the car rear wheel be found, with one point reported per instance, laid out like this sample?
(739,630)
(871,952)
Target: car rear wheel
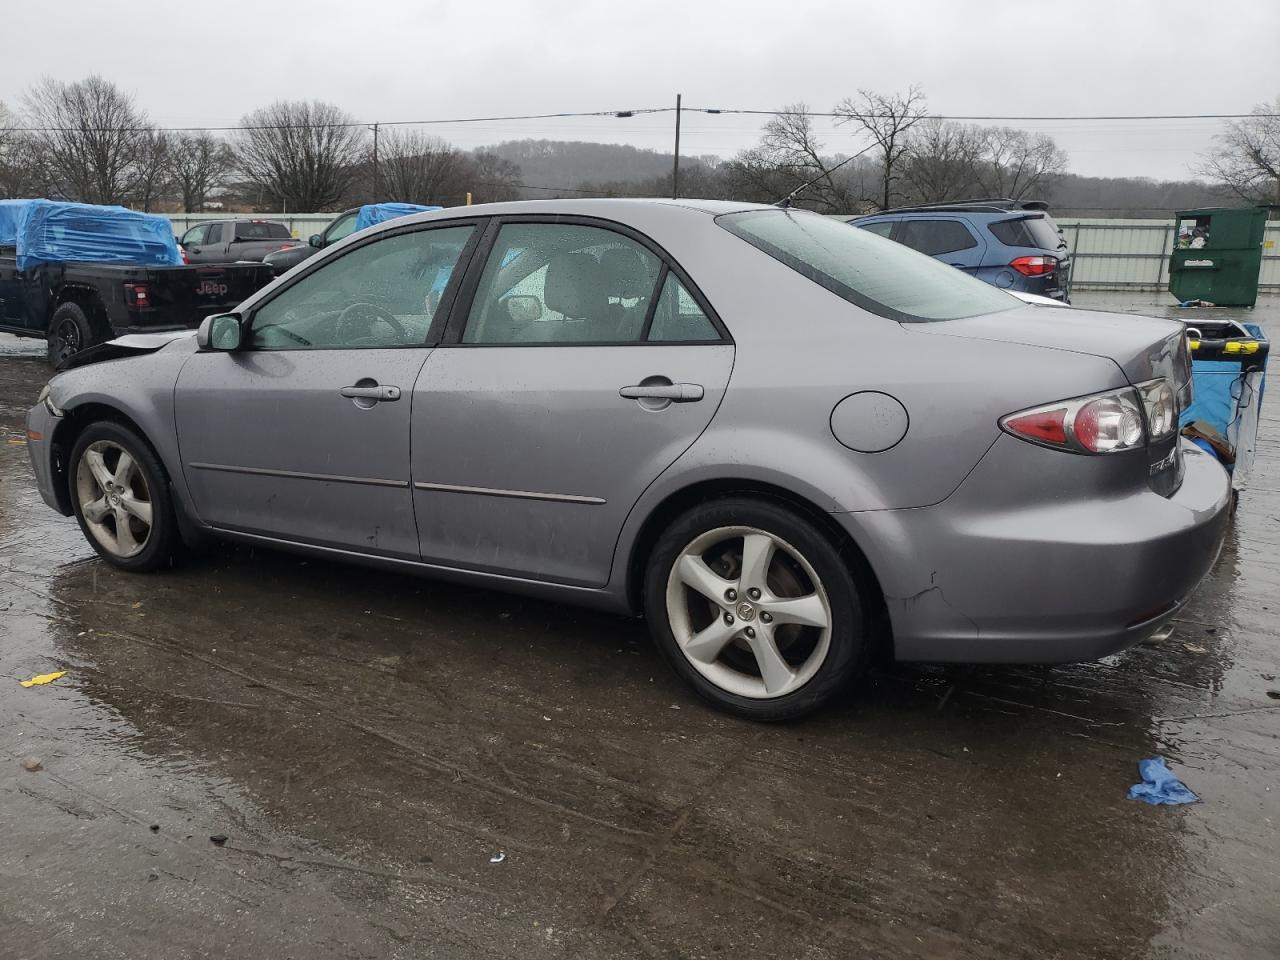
(120,494)
(756,608)
(69,332)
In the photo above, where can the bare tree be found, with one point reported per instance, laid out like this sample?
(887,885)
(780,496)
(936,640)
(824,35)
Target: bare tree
(886,118)
(20,168)
(490,178)
(302,156)
(1247,158)
(153,178)
(941,160)
(198,165)
(91,135)
(1017,163)
(417,168)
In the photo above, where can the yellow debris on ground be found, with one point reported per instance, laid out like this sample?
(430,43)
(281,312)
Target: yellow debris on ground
(43,679)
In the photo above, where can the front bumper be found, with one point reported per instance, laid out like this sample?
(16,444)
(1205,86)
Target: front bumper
(976,580)
(41,425)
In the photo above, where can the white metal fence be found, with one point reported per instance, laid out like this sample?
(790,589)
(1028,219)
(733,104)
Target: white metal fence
(1106,254)
(1134,254)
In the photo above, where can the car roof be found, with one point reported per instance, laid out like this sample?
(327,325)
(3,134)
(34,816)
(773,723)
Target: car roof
(604,207)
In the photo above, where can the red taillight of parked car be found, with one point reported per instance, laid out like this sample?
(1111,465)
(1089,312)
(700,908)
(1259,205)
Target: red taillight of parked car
(1034,266)
(137,296)
(1108,422)
(185,259)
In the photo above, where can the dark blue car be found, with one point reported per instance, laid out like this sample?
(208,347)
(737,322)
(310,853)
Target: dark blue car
(1007,243)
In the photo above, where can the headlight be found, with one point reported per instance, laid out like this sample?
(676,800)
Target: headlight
(48,403)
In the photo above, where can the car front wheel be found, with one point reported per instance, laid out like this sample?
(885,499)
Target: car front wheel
(120,494)
(756,608)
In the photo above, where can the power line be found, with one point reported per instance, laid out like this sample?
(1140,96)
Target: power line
(634,112)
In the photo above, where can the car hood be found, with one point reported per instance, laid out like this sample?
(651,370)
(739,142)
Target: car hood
(1143,347)
(129,345)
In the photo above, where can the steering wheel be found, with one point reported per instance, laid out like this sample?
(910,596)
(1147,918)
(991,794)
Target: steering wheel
(367,313)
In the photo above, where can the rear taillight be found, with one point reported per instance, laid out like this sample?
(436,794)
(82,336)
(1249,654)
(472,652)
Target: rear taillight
(185,259)
(137,296)
(1034,266)
(1108,422)
(1160,405)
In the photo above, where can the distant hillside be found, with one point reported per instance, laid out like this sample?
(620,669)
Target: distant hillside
(1138,197)
(622,169)
(572,163)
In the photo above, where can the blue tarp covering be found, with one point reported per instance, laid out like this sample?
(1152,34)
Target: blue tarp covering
(373,213)
(10,214)
(1217,388)
(50,232)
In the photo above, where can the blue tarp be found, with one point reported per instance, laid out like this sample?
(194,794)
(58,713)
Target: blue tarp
(1217,389)
(374,213)
(50,232)
(10,214)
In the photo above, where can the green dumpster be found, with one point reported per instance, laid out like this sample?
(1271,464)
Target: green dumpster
(1217,253)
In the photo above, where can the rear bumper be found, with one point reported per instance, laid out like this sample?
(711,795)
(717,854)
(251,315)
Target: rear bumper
(966,580)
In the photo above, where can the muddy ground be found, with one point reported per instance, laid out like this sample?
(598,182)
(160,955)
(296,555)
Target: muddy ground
(406,769)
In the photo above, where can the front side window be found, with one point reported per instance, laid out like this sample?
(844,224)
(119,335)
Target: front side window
(935,237)
(340,228)
(878,275)
(382,294)
(195,236)
(562,283)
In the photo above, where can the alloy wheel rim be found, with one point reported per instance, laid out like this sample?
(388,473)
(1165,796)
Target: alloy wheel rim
(749,612)
(115,499)
(68,340)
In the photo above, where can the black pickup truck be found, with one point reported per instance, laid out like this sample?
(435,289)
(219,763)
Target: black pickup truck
(75,305)
(79,274)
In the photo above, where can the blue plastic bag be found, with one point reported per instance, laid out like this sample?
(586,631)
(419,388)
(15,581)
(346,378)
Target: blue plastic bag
(50,232)
(374,213)
(1159,785)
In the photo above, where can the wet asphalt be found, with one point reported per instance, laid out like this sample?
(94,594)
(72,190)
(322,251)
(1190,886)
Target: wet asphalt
(402,768)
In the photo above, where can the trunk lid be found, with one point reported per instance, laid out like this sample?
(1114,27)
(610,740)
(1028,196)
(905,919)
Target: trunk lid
(1144,348)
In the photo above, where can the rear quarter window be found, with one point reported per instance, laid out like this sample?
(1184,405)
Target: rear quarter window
(878,275)
(262,231)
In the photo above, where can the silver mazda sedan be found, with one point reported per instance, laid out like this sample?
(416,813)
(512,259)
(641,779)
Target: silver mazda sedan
(783,440)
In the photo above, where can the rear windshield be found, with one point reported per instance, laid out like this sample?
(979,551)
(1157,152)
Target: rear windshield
(262,231)
(876,274)
(1038,232)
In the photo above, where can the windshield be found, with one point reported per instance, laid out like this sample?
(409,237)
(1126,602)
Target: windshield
(876,274)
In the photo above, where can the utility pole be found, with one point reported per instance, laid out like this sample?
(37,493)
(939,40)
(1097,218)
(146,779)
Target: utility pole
(377,185)
(675,166)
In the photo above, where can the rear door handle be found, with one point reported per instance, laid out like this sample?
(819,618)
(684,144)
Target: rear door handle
(675,392)
(374,392)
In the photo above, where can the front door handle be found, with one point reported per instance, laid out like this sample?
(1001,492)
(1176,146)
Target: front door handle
(673,392)
(365,390)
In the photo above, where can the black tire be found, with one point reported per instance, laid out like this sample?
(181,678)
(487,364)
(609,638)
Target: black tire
(850,639)
(163,543)
(69,332)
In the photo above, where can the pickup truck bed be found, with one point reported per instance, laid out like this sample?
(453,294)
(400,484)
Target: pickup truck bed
(75,305)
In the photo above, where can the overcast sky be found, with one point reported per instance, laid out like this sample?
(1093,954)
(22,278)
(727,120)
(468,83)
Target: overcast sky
(196,62)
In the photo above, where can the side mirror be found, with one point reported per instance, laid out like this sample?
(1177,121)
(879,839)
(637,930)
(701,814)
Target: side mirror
(523,308)
(315,241)
(222,331)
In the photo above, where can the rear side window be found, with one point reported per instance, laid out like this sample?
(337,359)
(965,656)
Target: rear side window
(215,234)
(935,237)
(1038,232)
(877,275)
(262,231)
